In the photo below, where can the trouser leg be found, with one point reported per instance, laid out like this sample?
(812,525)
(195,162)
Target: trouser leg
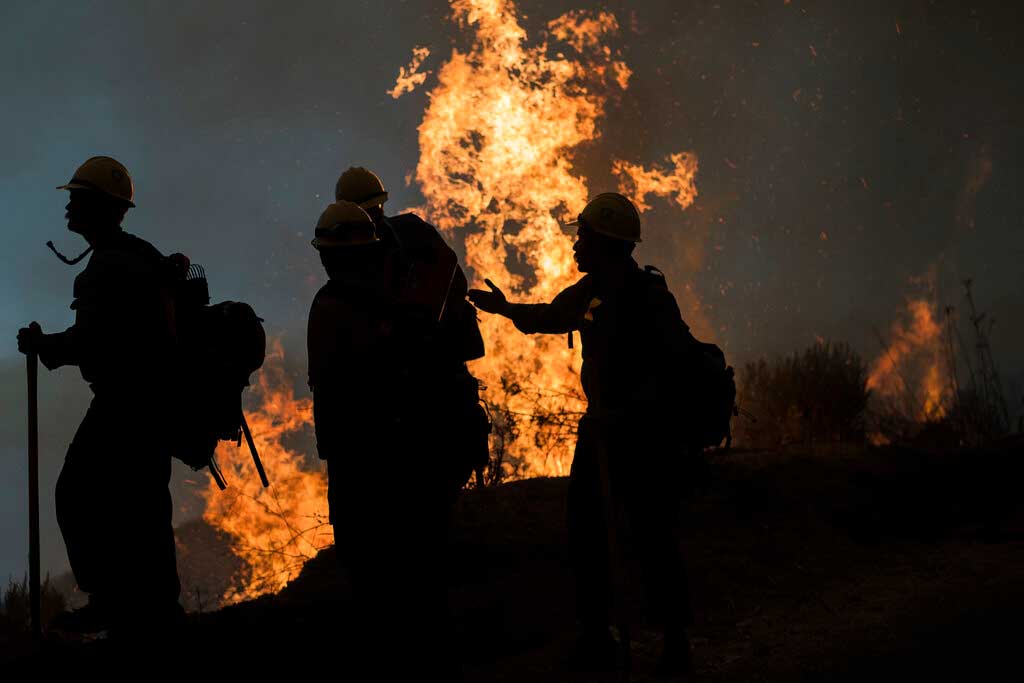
(656,539)
(78,520)
(588,539)
(393,544)
(114,511)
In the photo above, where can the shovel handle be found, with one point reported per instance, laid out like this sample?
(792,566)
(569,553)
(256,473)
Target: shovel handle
(255,455)
(32,366)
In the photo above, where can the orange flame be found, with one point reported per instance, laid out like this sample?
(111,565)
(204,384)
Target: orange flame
(496,145)
(409,77)
(910,370)
(639,182)
(275,530)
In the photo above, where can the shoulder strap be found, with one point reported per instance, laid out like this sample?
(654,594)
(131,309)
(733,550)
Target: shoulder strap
(657,275)
(410,231)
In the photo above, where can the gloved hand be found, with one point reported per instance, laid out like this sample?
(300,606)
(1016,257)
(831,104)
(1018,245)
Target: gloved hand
(493,301)
(30,338)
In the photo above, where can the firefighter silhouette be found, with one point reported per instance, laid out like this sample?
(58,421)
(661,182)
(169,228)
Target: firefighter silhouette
(391,402)
(625,474)
(112,498)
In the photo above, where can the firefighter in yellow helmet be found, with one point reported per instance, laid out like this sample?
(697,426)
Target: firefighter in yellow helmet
(389,396)
(429,287)
(112,498)
(630,327)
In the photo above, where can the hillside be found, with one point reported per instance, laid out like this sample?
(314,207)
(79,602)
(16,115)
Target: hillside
(849,566)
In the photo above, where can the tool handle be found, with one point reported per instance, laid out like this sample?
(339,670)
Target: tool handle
(255,456)
(32,366)
(217,475)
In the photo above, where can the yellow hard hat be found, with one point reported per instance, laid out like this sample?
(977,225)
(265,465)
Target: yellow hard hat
(611,214)
(103,174)
(361,186)
(344,224)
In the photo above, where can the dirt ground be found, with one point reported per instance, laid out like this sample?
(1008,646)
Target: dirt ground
(877,565)
(853,566)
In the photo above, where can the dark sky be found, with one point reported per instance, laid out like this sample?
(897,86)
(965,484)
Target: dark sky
(887,126)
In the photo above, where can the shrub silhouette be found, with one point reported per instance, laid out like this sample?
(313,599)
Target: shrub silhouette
(15,609)
(818,395)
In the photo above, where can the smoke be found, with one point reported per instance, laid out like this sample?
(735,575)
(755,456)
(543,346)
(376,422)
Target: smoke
(235,119)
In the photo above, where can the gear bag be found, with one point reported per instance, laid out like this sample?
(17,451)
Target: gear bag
(709,399)
(714,397)
(219,346)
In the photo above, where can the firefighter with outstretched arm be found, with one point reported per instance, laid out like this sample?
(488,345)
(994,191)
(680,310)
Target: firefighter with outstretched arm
(627,455)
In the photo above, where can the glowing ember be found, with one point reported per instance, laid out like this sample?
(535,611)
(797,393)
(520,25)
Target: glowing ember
(496,146)
(275,530)
(910,371)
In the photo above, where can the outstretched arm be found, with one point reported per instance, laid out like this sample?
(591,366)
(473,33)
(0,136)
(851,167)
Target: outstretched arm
(493,301)
(562,315)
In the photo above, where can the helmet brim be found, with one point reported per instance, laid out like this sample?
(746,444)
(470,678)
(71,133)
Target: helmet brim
(320,243)
(85,186)
(375,200)
(574,225)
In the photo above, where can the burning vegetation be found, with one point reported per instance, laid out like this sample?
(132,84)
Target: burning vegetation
(498,140)
(497,144)
(274,530)
(910,376)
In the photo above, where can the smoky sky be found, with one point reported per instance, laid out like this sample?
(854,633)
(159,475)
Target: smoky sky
(846,149)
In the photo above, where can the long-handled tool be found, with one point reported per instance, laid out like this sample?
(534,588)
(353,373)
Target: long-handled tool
(32,360)
(255,456)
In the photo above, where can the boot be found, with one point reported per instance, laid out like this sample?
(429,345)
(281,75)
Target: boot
(93,617)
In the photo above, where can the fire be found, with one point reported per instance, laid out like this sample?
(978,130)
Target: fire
(275,529)
(496,163)
(910,371)
(678,179)
(410,76)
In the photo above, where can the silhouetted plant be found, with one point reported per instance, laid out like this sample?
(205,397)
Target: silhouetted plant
(554,428)
(816,395)
(15,608)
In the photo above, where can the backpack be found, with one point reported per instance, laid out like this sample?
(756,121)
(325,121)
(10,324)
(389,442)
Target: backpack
(218,347)
(713,389)
(710,400)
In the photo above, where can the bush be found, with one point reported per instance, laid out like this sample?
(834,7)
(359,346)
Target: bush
(15,608)
(819,395)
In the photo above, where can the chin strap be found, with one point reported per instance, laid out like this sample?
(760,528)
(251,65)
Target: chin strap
(65,259)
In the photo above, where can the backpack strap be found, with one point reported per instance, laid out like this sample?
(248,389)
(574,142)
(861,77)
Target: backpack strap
(657,275)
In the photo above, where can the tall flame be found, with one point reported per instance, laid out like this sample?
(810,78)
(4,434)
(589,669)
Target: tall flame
(910,371)
(496,160)
(274,530)
(496,163)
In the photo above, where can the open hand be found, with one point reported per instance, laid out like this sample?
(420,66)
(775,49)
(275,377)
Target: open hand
(493,301)
(29,338)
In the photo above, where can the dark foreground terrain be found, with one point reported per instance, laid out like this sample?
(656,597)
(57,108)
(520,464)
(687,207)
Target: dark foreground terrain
(853,567)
